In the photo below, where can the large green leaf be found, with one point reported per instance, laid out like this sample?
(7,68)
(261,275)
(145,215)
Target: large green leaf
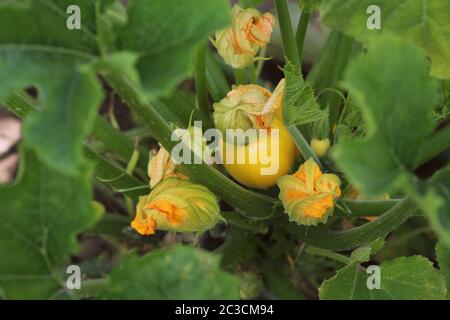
(422,22)
(176,273)
(166,34)
(37,49)
(396,96)
(39,218)
(404,278)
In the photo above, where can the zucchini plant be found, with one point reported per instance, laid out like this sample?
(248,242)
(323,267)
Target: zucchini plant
(347,196)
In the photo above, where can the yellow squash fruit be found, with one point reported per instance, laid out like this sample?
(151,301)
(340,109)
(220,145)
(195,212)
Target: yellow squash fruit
(250,174)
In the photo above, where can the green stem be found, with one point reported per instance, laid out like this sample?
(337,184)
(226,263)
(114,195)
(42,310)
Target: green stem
(303,145)
(301,33)
(118,179)
(327,254)
(239,76)
(116,141)
(287,35)
(200,85)
(364,208)
(260,62)
(436,143)
(218,85)
(252,73)
(358,236)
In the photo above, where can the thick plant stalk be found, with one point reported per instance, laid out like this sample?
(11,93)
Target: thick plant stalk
(287,35)
(200,86)
(217,82)
(301,33)
(240,76)
(353,238)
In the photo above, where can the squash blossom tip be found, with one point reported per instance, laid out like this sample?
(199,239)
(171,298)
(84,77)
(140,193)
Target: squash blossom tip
(308,195)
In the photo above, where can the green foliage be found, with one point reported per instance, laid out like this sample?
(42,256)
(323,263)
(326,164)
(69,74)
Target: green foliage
(402,278)
(42,52)
(177,28)
(39,218)
(299,105)
(422,22)
(433,198)
(176,273)
(397,121)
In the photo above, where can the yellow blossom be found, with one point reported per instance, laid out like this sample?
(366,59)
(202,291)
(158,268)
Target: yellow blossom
(237,109)
(308,195)
(250,30)
(176,205)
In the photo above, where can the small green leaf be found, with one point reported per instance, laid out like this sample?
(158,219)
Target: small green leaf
(396,96)
(39,218)
(422,22)
(433,198)
(404,278)
(361,254)
(176,273)
(299,103)
(166,34)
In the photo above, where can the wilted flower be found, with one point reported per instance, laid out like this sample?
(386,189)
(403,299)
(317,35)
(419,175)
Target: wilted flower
(308,195)
(160,167)
(273,107)
(177,205)
(237,109)
(250,30)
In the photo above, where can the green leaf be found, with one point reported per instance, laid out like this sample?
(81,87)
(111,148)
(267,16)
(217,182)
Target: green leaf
(404,278)
(176,273)
(38,49)
(40,215)
(433,198)
(422,22)
(43,23)
(299,103)
(166,34)
(361,254)
(396,97)
(443,257)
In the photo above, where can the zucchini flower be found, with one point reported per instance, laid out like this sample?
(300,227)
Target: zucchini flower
(308,195)
(237,109)
(161,166)
(177,205)
(250,30)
